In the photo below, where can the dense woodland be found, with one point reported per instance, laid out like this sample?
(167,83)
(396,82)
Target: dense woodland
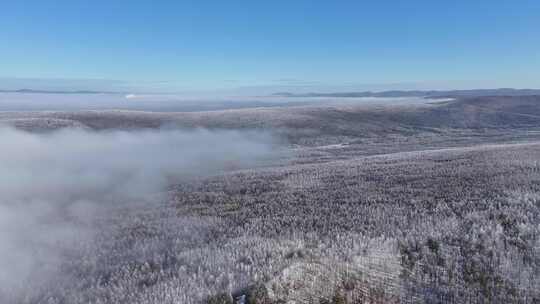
(361,222)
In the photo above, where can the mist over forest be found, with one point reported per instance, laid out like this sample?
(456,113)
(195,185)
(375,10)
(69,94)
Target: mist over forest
(322,200)
(57,187)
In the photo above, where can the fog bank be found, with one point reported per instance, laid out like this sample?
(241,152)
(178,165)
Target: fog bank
(53,186)
(174,102)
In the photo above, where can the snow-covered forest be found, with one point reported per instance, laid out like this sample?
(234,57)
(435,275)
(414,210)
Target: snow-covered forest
(359,205)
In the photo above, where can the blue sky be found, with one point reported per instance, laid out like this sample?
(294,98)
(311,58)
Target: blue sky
(324,45)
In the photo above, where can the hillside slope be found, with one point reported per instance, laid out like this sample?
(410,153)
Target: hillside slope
(485,118)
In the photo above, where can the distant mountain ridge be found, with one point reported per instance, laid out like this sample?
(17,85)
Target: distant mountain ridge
(422,93)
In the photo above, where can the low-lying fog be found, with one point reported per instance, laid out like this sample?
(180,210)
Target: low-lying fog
(54,185)
(180,103)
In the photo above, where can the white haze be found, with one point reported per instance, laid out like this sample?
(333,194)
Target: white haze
(54,185)
(173,102)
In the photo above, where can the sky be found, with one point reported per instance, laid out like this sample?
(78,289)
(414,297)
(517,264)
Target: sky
(269,45)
